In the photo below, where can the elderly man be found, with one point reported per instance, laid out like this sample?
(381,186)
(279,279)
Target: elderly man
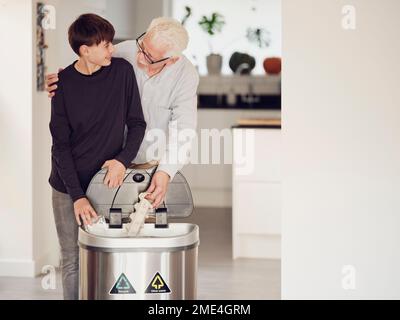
(167,83)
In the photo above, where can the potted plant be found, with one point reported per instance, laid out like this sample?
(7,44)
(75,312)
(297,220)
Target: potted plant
(212,25)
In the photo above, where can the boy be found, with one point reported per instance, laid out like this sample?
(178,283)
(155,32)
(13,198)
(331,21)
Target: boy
(97,96)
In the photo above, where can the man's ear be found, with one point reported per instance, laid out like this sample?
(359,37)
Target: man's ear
(172,60)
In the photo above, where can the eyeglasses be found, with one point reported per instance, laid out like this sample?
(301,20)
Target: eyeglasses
(146,56)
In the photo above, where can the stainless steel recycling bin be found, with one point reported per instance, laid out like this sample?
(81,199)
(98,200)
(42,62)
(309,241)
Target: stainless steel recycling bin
(157,264)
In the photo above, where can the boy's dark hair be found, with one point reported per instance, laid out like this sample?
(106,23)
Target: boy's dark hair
(89,29)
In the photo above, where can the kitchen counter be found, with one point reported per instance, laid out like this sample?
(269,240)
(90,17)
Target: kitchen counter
(256,127)
(249,92)
(258,123)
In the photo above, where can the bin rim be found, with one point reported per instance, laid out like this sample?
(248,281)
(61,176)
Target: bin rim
(187,239)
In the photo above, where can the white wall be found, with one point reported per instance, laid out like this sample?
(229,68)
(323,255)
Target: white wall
(132,17)
(16,251)
(147,10)
(341,138)
(28,240)
(121,13)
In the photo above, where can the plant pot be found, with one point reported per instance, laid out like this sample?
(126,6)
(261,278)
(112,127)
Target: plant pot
(272,65)
(214,64)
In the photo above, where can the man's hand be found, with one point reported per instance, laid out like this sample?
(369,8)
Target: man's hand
(115,173)
(158,188)
(84,210)
(51,80)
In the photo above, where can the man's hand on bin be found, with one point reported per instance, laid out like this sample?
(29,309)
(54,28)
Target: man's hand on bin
(84,210)
(158,188)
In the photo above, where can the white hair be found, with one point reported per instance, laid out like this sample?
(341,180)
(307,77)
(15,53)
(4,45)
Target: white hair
(168,33)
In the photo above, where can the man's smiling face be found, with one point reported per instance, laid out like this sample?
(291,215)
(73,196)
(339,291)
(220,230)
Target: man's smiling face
(154,52)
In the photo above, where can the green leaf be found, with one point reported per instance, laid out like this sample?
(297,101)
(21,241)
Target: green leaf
(213,24)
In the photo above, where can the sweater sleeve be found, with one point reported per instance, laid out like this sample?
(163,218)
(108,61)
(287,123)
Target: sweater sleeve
(134,121)
(61,149)
(184,118)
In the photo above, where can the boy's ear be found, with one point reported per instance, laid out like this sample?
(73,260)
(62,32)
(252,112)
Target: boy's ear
(83,50)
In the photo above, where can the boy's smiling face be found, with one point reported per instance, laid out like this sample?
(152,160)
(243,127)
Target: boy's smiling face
(99,54)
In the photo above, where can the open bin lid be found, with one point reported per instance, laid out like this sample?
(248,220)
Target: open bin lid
(178,199)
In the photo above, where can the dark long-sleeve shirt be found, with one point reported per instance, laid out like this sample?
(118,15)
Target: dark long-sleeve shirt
(88,118)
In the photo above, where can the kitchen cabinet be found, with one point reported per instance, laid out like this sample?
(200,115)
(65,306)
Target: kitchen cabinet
(256,194)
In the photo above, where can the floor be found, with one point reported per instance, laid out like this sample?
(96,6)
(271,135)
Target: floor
(219,276)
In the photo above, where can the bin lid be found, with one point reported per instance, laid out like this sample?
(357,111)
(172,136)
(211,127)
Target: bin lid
(178,199)
(177,235)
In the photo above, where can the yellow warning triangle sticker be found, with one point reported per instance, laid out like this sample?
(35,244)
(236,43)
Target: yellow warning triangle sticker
(157,285)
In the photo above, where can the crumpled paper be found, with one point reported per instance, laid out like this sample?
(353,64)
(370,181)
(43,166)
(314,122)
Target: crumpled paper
(99,226)
(139,216)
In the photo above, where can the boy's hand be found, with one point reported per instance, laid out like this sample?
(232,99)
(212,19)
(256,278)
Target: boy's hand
(51,80)
(158,188)
(115,173)
(84,210)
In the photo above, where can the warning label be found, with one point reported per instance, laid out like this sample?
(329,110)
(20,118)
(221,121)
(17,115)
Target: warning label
(122,286)
(157,285)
